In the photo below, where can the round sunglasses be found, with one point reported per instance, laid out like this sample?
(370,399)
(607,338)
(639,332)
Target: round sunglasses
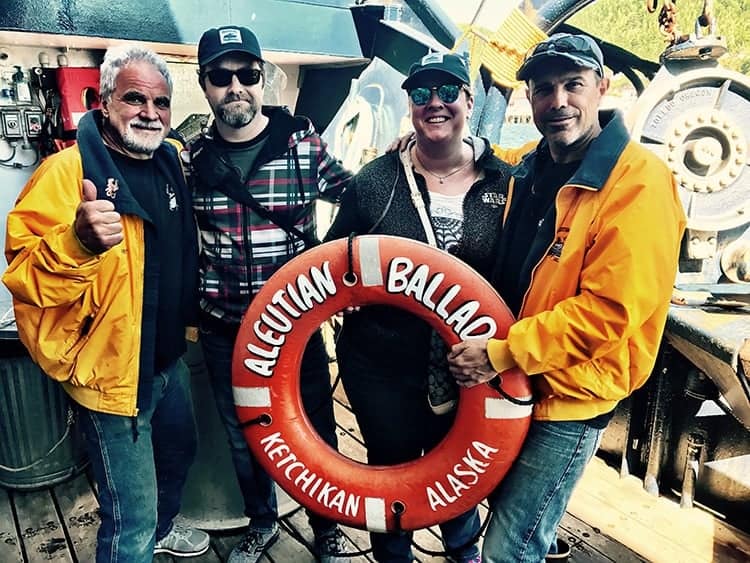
(448,93)
(223,76)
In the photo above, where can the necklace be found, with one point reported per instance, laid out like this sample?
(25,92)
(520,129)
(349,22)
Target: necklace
(441,179)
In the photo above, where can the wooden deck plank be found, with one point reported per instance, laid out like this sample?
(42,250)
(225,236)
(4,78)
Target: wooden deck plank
(589,544)
(80,511)
(222,543)
(10,545)
(42,533)
(654,527)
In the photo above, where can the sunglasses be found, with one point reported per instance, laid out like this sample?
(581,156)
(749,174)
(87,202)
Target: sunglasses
(566,44)
(448,93)
(223,76)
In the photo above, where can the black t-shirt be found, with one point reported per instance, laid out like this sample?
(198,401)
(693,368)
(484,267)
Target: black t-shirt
(243,155)
(532,214)
(164,234)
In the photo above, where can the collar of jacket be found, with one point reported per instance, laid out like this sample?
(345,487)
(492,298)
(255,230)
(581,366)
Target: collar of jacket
(601,156)
(99,167)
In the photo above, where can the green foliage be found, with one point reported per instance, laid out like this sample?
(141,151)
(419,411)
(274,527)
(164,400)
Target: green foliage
(628,24)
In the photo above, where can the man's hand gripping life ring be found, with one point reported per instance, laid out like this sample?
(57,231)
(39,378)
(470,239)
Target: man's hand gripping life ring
(459,472)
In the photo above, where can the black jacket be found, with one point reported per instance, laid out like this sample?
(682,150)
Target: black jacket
(378,201)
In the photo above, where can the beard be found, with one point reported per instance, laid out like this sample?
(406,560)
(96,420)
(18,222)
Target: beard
(137,140)
(236,115)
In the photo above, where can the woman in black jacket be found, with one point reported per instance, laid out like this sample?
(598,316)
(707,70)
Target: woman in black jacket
(392,364)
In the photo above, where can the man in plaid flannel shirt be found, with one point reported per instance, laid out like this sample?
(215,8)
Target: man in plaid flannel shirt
(254,160)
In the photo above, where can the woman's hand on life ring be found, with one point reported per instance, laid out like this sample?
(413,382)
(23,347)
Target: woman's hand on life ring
(469,362)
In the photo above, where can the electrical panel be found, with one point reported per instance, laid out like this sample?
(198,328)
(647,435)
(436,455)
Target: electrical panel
(20,121)
(12,124)
(34,120)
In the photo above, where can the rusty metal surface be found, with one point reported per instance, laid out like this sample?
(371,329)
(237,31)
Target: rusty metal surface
(711,338)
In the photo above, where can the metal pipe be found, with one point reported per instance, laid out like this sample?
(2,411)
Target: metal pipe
(695,444)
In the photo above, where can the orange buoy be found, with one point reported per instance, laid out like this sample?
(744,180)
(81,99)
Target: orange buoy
(459,472)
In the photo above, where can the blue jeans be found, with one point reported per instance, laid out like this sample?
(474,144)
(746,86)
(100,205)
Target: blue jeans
(256,485)
(529,503)
(458,535)
(397,425)
(140,465)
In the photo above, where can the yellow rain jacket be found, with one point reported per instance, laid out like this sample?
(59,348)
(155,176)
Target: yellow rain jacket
(80,315)
(593,315)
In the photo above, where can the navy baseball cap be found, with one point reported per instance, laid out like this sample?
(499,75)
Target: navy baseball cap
(581,50)
(227,39)
(448,63)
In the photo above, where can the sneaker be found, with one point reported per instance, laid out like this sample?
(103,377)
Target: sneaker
(332,547)
(562,552)
(182,541)
(252,546)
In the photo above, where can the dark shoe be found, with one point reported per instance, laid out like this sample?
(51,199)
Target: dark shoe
(253,545)
(475,559)
(563,552)
(333,547)
(182,541)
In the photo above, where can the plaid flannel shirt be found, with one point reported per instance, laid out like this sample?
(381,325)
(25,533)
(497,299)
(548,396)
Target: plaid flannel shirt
(239,249)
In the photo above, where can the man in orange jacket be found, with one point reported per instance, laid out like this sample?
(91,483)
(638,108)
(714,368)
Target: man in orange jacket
(589,284)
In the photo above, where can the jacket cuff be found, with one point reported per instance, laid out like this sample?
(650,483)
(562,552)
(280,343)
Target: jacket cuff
(75,248)
(499,354)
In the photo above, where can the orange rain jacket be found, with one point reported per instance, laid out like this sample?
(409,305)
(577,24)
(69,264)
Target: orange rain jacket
(81,315)
(593,315)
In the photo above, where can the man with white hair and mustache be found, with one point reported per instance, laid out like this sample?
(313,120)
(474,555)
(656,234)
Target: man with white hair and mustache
(255,174)
(102,254)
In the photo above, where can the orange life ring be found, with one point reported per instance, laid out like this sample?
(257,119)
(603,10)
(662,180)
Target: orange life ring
(460,471)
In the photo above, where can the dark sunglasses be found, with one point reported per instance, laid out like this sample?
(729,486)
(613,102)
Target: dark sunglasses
(567,44)
(448,93)
(223,76)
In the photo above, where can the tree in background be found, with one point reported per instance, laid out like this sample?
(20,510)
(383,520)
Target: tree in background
(628,24)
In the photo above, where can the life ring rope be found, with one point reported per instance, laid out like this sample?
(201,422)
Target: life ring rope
(458,473)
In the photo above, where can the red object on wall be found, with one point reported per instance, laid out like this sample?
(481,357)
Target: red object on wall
(79,92)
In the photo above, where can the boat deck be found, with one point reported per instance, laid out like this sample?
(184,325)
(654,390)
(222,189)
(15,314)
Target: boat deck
(610,519)
(60,523)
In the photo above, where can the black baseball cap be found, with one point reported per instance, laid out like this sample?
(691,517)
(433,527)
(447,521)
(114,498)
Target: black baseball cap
(581,50)
(449,63)
(219,41)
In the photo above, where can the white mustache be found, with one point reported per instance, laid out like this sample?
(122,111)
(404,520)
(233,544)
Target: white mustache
(151,125)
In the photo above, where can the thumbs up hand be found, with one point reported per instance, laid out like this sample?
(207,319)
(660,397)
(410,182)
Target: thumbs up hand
(97,225)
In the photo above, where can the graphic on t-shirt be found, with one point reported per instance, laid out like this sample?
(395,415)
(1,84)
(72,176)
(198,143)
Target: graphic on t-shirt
(448,224)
